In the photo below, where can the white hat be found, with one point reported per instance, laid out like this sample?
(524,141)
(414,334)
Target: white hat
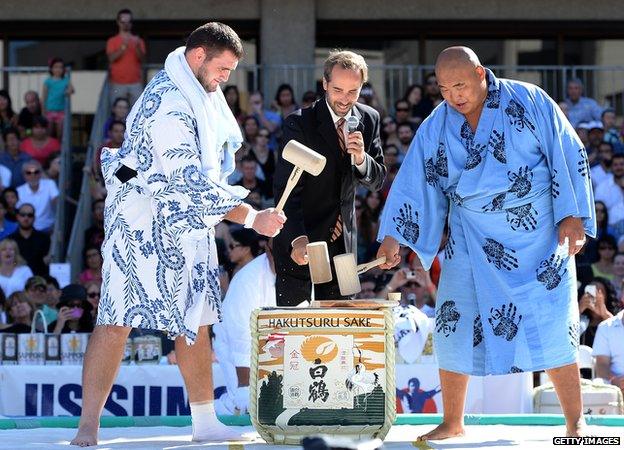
(595,124)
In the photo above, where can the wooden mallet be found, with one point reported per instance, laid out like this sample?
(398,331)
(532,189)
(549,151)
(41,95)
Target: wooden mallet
(305,160)
(318,262)
(347,272)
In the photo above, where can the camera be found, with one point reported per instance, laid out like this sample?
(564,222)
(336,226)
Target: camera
(410,274)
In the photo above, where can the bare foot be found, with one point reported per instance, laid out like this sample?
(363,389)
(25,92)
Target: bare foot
(85,437)
(443,431)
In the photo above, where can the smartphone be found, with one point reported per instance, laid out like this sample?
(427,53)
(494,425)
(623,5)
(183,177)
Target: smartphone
(410,274)
(591,290)
(76,313)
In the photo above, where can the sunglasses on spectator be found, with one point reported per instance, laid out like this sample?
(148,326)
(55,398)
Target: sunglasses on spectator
(93,294)
(26,214)
(32,172)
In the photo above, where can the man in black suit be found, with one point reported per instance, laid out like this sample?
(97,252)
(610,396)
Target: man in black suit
(322,208)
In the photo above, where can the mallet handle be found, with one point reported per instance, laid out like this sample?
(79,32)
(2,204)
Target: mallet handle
(369,265)
(292,182)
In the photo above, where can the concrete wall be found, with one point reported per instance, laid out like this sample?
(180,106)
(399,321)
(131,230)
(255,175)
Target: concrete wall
(610,82)
(469,9)
(142,9)
(325,9)
(287,36)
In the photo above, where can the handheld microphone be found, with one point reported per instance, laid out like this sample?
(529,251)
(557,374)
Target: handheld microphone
(352,124)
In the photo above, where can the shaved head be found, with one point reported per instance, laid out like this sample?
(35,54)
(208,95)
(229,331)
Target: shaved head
(455,57)
(462,81)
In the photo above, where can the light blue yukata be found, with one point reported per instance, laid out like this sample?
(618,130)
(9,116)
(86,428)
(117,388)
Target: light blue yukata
(160,266)
(507,296)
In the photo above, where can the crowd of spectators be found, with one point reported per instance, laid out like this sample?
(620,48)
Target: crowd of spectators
(30,149)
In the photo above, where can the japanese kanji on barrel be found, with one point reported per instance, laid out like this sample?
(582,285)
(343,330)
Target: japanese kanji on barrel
(321,370)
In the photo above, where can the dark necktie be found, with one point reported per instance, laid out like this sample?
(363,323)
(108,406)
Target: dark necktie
(341,134)
(337,231)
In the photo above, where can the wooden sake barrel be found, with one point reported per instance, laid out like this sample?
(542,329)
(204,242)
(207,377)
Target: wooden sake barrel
(322,371)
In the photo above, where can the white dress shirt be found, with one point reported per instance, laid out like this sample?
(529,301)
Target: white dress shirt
(609,341)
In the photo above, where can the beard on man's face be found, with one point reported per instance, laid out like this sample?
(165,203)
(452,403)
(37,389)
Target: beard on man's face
(208,87)
(340,108)
(202,76)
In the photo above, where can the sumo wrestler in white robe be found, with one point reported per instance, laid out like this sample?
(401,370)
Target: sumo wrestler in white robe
(160,261)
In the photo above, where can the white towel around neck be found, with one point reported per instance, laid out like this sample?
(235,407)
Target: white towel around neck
(219,133)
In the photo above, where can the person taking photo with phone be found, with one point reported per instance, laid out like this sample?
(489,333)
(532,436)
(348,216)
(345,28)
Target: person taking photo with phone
(74,312)
(594,308)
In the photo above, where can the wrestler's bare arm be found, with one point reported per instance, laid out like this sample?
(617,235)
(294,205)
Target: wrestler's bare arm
(238,214)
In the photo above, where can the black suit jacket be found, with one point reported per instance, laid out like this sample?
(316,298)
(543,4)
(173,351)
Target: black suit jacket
(315,203)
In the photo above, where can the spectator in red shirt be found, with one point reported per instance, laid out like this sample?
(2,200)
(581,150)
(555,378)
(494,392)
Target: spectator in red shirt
(40,145)
(126,53)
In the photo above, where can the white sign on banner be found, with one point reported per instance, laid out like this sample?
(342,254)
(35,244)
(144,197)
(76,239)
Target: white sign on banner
(316,369)
(62,273)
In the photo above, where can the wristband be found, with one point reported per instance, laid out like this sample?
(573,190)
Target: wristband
(250,218)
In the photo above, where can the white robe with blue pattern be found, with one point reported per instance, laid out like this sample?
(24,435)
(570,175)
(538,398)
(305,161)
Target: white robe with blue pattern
(160,261)
(507,295)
